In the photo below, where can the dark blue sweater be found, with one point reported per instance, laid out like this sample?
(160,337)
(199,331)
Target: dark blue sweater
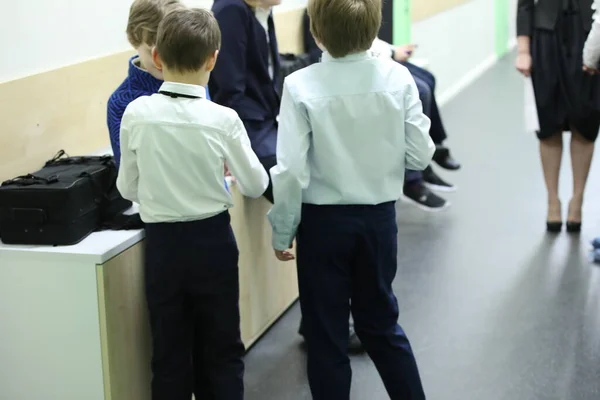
(138,83)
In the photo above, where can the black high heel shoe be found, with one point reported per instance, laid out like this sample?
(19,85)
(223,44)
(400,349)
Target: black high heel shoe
(573,226)
(554,227)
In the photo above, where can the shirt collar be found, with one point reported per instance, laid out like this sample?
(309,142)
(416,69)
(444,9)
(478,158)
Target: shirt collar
(262,13)
(183,88)
(363,55)
(141,78)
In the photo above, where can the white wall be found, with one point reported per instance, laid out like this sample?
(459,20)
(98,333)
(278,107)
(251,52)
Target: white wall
(457,41)
(41,35)
(512,22)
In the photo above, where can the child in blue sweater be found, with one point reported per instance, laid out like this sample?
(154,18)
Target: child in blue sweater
(143,78)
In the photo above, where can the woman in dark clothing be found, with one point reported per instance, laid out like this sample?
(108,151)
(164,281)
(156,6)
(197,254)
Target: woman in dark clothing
(551,36)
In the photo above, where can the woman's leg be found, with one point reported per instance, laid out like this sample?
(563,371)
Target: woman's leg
(551,149)
(582,151)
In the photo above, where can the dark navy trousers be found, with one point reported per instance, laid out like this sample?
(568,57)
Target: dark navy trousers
(347,263)
(192,290)
(425,81)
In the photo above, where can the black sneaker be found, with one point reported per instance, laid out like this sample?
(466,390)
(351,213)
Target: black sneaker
(444,159)
(423,198)
(434,182)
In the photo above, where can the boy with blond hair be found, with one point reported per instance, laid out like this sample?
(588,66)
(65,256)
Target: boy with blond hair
(143,78)
(350,127)
(174,146)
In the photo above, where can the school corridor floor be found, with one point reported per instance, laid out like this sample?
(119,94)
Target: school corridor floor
(495,308)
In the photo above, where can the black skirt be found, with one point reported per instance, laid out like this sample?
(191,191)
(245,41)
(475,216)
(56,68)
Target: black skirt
(565,96)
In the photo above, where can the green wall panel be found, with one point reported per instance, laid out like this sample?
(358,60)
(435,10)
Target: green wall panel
(402,21)
(501,11)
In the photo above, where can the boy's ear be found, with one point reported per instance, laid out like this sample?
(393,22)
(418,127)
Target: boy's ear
(156,59)
(212,61)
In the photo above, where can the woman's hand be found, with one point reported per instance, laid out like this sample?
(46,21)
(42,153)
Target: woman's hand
(523,64)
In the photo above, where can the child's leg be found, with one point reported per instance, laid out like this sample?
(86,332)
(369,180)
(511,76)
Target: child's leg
(170,315)
(202,384)
(375,308)
(325,247)
(213,283)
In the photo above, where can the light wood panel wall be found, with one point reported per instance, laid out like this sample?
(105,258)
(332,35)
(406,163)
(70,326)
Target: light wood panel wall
(267,286)
(59,109)
(288,26)
(124,326)
(66,108)
(423,9)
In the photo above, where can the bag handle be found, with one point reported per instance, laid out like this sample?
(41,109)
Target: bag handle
(30,179)
(62,158)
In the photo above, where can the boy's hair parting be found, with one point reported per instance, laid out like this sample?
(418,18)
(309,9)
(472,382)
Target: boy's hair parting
(144,18)
(187,38)
(345,26)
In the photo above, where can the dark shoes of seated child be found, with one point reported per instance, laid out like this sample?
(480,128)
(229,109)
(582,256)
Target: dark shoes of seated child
(444,159)
(434,182)
(418,194)
(596,251)
(354,344)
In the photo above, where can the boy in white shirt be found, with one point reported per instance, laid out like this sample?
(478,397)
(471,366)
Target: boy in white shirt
(349,128)
(174,145)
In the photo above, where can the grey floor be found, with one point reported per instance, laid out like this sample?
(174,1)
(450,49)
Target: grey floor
(495,308)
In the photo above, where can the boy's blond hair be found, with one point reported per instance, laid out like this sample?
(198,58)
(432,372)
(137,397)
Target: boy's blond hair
(345,26)
(144,18)
(187,38)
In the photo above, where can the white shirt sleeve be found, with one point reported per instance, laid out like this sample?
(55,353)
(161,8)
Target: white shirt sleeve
(591,51)
(243,163)
(419,146)
(381,48)
(291,175)
(128,178)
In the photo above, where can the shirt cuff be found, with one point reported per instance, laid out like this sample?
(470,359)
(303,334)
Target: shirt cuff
(282,242)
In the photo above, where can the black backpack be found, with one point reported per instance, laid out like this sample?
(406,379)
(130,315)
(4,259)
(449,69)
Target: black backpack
(61,204)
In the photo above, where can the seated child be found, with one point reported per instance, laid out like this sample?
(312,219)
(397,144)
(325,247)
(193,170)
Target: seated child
(349,128)
(173,148)
(143,79)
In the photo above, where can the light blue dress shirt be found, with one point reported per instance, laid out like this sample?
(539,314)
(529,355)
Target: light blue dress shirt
(349,127)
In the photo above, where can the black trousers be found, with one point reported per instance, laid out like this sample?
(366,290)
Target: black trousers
(268,163)
(437,131)
(192,289)
(347,263)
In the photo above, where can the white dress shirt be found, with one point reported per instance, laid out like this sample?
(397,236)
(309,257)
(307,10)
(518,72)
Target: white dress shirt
(262,15)
(591,51)
(348,129)
(173,152)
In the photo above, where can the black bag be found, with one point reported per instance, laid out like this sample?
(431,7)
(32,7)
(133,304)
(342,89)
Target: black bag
(291,63)
(62,203)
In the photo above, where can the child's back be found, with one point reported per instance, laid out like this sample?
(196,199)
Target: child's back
(349,128)
(180,145)
(366,125)
(174,146)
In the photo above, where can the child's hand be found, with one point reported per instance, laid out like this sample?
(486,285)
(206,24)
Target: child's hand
(285,255)
(590,70)
(403,53)
(227,172)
